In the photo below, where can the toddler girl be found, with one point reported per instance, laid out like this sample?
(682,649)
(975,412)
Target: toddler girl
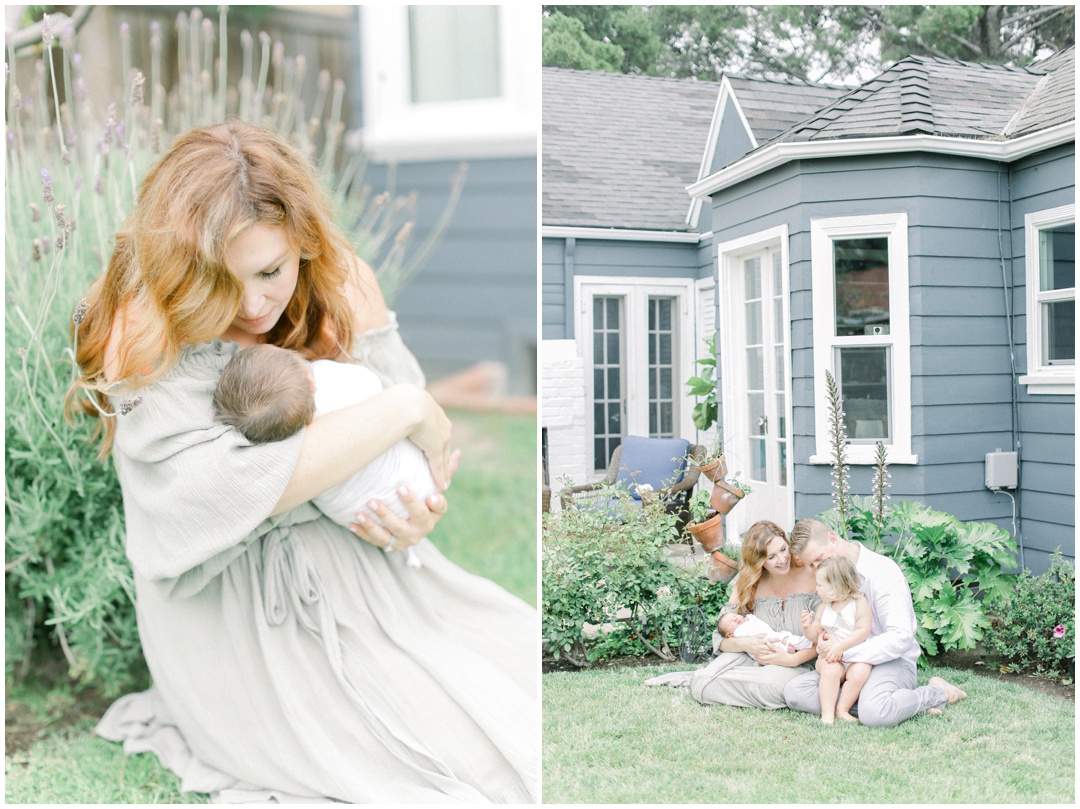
(844,616)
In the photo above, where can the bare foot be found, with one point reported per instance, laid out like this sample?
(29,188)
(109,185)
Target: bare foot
(846,717)
(952,693)
(828,720)
(933,710)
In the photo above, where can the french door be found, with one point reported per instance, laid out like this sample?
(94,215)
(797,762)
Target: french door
(754,360)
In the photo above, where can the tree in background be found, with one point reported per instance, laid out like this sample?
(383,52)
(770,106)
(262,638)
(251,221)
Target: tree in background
(813,43)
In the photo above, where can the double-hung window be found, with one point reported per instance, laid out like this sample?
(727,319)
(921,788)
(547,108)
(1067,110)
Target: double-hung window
(636,337)
(1050,238)
(449,82)
(861,333)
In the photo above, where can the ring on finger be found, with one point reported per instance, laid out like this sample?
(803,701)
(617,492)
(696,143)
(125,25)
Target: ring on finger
(389,546)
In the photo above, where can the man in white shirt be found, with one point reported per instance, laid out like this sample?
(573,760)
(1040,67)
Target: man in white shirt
(890,695)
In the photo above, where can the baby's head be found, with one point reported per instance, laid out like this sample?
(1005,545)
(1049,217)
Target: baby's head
(837,579)
(266,393)
(729,622)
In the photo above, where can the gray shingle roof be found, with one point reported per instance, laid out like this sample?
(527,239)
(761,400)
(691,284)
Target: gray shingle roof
(619,151)
(773,106)
(924,95)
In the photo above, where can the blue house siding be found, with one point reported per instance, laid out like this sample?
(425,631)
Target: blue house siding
(603,257)
(475,298)
(732,141)
(961,376)
(555,298)
(1046,422)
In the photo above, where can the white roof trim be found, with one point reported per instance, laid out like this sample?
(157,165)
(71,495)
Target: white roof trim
(726,92)
(619,234)
(779,153)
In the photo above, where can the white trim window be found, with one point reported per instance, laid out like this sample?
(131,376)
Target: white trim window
(862,334)
(636,336)
(450,82)
(1050,257)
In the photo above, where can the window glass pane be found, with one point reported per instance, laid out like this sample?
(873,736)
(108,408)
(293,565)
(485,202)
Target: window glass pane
(607,378)
(755,369)
(454,52)
(861,268)
(757,459)
(752,267)
(780,380)
(756,402)
(1059,345)
(864,384)
(778,320)
(1057,258)
(782,446)
(781,417)
(661,371)
(753,323)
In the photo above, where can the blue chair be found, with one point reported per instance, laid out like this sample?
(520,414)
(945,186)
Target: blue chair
(639,460)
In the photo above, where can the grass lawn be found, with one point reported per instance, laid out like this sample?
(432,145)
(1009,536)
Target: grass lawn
(610,739)
(490,529)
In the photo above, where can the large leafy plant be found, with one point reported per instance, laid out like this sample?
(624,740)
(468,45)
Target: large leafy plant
(953,568)
(72,174)
(608,565)
(703,385)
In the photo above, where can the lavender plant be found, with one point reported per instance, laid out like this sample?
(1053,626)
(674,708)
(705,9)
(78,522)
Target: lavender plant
(72,175)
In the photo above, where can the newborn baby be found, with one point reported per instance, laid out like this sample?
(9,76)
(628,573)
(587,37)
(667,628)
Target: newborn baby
(734,625)
(268,393)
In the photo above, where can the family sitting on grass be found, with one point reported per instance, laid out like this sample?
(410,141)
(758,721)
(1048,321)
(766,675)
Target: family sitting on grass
(815,595)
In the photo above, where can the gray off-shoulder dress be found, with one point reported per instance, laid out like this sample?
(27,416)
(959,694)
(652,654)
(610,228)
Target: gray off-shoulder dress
(293,662)
(735,678)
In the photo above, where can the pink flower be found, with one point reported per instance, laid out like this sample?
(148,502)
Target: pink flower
(1059,631)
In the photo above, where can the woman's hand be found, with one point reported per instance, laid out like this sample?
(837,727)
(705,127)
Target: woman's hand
(432,435)
(390,530)
(753,646)
(772,657)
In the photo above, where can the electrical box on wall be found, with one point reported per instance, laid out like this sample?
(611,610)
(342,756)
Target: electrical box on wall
(1001,470)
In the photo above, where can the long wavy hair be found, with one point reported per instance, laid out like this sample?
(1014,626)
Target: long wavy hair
(167,276)
(752,561)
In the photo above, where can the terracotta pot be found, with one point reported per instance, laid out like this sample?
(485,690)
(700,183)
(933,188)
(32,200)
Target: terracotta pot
(710,534)
(716,470)
(723,567)
(725,496)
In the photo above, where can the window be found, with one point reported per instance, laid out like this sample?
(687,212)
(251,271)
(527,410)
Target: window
(634,334)
(449,82)
(1051,301)
(860,299)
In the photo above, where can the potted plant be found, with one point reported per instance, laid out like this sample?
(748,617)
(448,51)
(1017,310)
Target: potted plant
(713,465)
(727,494)
(706,528)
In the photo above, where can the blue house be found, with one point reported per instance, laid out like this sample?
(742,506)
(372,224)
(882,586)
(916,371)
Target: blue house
(913,236)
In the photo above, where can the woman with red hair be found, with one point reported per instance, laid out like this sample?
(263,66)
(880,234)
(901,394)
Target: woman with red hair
(292,659)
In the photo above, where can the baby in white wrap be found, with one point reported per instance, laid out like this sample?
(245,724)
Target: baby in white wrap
(734,625)
(268,393)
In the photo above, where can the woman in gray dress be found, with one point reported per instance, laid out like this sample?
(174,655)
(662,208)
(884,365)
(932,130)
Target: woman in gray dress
(776,587)
(293,660)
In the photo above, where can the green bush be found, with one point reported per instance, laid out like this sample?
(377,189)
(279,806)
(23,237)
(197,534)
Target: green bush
(597,562)
(72,172)
(952,567)
(1034,629)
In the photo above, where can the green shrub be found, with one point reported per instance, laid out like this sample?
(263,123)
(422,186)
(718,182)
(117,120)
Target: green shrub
(952,567)
(1035,625)
(598,562)
(72,172)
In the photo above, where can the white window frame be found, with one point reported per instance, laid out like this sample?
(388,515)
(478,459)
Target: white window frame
(1043,379)
(636,382)
(395,128)
(894,227)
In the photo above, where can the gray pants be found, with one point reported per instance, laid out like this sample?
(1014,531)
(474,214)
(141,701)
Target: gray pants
(889,697)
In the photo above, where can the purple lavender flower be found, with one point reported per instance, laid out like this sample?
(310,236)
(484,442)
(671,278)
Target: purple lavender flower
(46,187)
(80,312)
(127,405)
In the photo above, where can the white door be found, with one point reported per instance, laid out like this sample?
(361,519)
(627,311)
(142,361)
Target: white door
(757,406)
